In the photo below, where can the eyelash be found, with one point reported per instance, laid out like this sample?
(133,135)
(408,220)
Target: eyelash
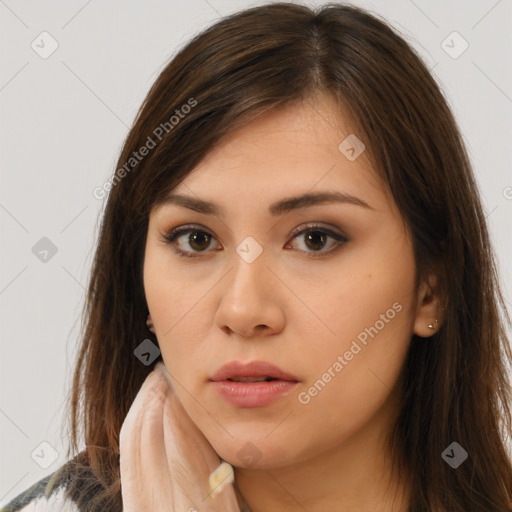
(172,235)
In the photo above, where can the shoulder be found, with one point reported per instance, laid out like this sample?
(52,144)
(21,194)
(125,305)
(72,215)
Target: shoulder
(49,493)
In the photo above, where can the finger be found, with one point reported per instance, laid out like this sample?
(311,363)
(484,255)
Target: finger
(129,435)
(133,416)
(153,457)
(167,460)
(185,454)
(191,458)
(143,462)
(183,437)
(129,449)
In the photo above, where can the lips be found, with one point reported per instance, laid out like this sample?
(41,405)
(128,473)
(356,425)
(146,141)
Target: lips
(253,371)
(252,385)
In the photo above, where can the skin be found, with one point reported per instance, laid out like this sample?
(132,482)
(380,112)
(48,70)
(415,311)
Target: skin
(294,310)
(165,461)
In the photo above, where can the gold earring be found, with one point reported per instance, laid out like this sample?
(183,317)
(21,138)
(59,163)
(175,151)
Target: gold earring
(434,325)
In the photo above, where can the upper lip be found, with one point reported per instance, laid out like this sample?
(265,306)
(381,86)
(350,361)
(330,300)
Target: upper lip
(251,369)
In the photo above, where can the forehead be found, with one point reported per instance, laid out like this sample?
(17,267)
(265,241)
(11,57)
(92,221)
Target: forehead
(286,152)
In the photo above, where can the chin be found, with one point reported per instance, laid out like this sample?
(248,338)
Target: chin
(255,451)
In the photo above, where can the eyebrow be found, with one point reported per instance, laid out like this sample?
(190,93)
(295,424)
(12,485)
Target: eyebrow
(276,209)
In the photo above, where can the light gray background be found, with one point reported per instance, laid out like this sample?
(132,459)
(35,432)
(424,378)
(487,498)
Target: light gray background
(63,121)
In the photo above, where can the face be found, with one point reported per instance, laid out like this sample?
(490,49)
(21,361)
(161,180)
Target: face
(325,292)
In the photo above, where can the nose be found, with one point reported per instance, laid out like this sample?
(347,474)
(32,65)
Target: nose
(251,299)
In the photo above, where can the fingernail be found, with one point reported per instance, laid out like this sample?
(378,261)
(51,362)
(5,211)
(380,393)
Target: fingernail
(222,476)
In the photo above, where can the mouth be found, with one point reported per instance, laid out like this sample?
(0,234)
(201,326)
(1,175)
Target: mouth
(254,384)
(251,379)
(253,371)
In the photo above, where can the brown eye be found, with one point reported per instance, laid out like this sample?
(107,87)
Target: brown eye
(315,238)
(199,240)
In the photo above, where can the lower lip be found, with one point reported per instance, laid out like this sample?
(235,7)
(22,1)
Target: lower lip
(253,394)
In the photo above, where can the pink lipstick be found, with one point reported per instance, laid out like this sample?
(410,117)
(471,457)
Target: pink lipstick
(252,384)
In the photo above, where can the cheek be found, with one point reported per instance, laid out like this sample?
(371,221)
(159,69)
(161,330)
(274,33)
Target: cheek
(170,297)
(357,360)
(170,310)
(370,303)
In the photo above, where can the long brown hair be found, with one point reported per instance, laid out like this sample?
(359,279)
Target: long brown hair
(455,385)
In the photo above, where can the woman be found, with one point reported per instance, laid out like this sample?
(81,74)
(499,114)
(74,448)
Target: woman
(294,205)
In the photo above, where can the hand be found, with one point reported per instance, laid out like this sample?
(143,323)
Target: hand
(165,460)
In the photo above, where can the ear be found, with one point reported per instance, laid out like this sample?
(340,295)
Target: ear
(149,323)
(429,312)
